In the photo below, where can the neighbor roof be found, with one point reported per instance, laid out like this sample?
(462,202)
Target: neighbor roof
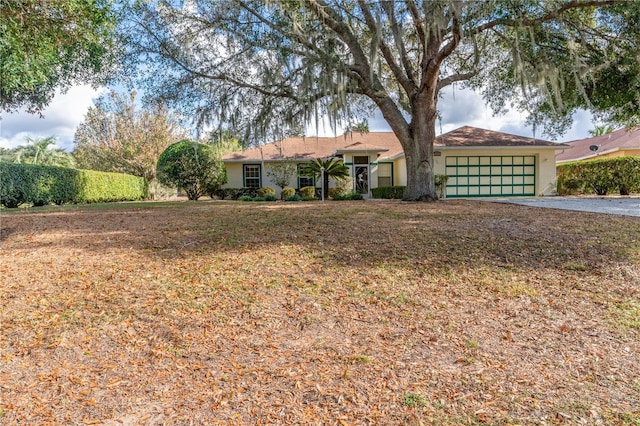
(309,148)
(614,141)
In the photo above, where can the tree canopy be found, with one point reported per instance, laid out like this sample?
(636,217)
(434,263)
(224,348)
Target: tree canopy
(195,168)
(50,45)
(118,136)
(264,66)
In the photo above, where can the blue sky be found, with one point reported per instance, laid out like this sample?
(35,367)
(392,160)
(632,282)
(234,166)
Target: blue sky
(462,108)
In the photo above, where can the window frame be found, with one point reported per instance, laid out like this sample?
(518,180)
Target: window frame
(244,175)
(300,177)
(390,163)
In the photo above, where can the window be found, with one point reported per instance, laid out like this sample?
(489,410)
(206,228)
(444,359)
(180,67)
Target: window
(385,174)
(360,159)
(303,178)
(252,178)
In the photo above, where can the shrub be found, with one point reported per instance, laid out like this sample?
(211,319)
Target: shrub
(288,192)
(192,167)
(353,195)
(105,187)
(265,190)
(245,198)
(626,174)
(600,176)
(343,187)
(294,197)
(41,185)
(270,197)
(440,182)
(308,192)
(235,193)
(388,192)
(570,186)
(12,185)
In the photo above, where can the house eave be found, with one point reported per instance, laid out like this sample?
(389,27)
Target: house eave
(365,150)
(590,156)
(501,147)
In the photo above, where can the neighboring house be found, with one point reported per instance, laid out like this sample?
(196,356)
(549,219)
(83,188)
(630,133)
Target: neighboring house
(615,144)
(478,162)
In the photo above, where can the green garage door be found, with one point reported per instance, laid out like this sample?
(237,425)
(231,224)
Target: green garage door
(491,176)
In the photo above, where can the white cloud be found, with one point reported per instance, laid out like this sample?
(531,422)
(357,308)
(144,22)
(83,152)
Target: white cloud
(60,119)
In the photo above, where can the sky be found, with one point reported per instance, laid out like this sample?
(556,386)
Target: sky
(462,108)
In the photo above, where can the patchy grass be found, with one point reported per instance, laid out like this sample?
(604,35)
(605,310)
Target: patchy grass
(627,314)
(318,313)
(414,400)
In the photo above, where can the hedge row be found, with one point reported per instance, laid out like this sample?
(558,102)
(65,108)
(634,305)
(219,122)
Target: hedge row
(235,193)
(607,175)
(397,192)
(41,185)
(388,192)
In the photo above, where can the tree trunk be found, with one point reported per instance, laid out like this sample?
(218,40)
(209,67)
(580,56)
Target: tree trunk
(418,151)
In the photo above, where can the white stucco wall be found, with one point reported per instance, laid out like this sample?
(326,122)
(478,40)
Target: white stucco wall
(234,175)
(545,180)
(236,179)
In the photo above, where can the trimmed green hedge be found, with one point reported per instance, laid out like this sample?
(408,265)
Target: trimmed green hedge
(235,193)
(42,185)
(620,174)
(104,187)
(388,192)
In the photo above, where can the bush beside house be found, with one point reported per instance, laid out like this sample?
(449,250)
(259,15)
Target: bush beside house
(600,177)
(388,192)
(192,167)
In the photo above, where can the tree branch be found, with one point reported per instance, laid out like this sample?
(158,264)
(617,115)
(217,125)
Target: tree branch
(408,86)
(573,4)
(399,41)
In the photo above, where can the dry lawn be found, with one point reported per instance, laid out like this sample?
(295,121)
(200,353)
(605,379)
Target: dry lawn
(342,313)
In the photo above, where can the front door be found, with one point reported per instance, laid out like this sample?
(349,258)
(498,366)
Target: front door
(362,179)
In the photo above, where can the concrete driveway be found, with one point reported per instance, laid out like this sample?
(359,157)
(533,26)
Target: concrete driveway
(626,206)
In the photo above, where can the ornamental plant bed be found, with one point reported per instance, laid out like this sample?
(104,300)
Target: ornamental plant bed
(456,312)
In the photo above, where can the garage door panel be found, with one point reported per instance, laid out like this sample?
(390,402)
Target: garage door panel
(485,176)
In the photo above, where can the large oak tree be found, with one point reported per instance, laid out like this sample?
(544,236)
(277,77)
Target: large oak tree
(265,65)
(47,46)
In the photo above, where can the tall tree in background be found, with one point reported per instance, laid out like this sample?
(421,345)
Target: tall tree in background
(224,142)
(263,65)
(601,129)
(117,137)
(51,45)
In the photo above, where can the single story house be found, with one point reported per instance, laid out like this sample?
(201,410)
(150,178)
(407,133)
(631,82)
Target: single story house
(478,162)
(620,143)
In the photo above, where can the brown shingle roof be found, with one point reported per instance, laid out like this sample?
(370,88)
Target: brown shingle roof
(620,139)
(387,143)
(311,147)
(474,136)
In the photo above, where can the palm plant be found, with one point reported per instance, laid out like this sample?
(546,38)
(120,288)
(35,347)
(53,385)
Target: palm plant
(37,151)
(332,167)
